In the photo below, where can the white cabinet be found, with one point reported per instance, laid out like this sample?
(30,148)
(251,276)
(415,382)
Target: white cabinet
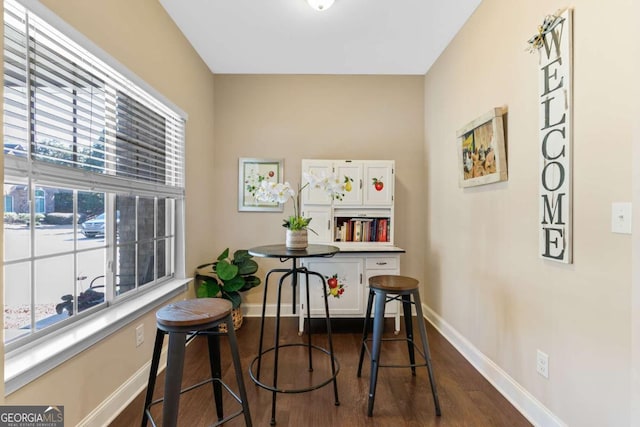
(361,225)
(350,173)
(380,265)
(352,270)
(315,196)
(368,182)
(366,212)
(348,272)
(378,183)
(320,223)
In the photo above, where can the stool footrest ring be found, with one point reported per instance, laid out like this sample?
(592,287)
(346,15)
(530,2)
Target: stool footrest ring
(297,390)
(194,386)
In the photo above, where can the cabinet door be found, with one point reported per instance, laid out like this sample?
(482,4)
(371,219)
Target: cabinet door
(391,308)
(378,183)
(316,196)
(379,266)
(320,223)
(351,172)
(349,275)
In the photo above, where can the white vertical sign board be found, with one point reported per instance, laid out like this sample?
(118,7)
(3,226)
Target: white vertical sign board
(554,76)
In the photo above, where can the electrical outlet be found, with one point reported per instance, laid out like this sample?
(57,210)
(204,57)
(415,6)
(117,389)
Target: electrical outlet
(542,364)
(139,335)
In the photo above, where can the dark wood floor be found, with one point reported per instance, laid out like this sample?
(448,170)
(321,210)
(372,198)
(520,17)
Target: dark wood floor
(466,398)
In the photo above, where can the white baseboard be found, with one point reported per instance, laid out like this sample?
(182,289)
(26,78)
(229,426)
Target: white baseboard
(110,408)
(518,396)
(255,310)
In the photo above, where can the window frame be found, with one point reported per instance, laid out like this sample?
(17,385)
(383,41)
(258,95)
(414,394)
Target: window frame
(26,362)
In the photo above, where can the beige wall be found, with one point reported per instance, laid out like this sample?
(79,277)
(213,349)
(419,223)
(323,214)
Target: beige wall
(141,36)
(635,303)
(334,117)
(484,274)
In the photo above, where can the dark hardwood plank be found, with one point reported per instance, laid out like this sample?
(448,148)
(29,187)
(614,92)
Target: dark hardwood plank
(466,398)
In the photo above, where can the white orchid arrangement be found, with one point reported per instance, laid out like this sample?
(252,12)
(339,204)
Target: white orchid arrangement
(272,192)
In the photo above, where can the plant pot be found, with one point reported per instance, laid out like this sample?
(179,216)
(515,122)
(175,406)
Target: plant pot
(236,314)
(296,240)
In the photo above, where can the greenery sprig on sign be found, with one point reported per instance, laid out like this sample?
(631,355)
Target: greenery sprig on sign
(549,23)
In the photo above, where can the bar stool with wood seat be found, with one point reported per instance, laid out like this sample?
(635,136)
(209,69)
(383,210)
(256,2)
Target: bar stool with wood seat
(388,288)
(182,321)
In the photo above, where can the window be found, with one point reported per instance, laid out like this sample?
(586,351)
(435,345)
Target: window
(8,203)
(93,180)
(40,201)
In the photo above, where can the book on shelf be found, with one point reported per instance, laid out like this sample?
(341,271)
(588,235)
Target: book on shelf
(382,235)
(362,229)
(357,231)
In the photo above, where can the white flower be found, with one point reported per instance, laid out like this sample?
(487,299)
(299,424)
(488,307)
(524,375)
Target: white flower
(266,191)
(272,192)
(311,179)
(283,192)
(329,183)
(335,188)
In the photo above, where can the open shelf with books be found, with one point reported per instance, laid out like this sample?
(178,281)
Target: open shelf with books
(362,229)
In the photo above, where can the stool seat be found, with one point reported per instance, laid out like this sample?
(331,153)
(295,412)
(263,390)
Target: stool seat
(193,312)
(393,283)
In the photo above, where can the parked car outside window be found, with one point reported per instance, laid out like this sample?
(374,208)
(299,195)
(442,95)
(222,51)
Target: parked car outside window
(95,226)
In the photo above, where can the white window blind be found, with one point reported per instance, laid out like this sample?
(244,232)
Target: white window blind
(69,115)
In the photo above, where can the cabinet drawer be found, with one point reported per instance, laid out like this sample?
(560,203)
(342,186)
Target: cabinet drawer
(378,263)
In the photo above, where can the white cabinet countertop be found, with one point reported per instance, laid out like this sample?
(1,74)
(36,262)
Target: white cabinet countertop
(363,247)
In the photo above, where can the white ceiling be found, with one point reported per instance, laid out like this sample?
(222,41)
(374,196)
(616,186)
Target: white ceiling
(288,37)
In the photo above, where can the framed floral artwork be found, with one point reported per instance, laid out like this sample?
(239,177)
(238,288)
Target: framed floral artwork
(481,150)
(251,172)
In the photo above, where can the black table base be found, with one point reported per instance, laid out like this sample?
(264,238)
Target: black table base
(254,369)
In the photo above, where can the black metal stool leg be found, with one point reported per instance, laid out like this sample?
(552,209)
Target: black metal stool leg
(173,378)
(408,324)
(235,356)
(365,332)
(153,373)
(213,341)
(378,326)
(425,346)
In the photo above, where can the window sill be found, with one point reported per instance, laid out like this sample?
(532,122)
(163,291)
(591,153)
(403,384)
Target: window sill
(26,364)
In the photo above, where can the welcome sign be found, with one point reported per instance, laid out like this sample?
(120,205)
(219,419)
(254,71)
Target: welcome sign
(554,76)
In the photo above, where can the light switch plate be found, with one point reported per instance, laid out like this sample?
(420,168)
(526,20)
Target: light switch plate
(621,217)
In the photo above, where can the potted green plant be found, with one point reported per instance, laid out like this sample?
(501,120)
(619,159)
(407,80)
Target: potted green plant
(226,277)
